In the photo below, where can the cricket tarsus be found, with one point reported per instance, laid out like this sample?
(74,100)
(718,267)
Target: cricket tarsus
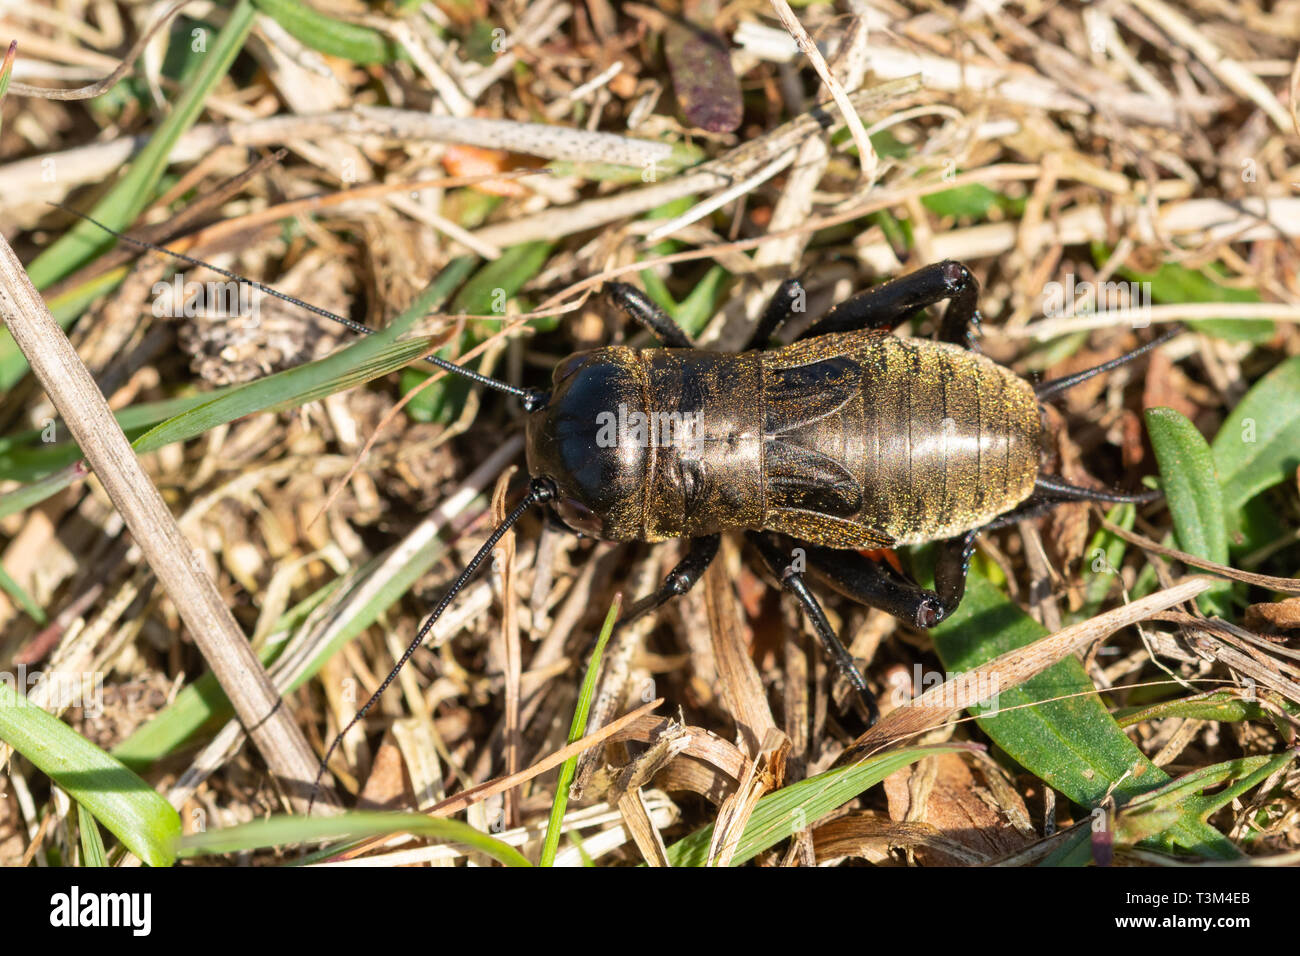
(539,492)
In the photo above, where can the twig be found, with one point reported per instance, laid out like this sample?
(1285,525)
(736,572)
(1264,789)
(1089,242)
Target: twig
(26,180)
(866,152)
(103,85)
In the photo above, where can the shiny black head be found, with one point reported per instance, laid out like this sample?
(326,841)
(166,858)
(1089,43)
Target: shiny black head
(581,440)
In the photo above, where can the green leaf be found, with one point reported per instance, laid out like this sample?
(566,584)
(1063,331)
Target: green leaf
(1192,491)
(290,830)
(971,201)
(146,824)
(1259,445)
(351,41)
(802,804)
(1054,725)
(1185,797)
(577,730)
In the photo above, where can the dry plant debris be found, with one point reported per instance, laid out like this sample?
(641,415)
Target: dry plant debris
(1105,169)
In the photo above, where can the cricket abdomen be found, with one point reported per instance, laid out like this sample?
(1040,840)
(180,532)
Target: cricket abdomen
(872,437)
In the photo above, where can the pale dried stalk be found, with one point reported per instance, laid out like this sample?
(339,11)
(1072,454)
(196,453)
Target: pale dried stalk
(1234,75)
(866,152)
(490,788)
(26,181)
(740,686)
(173,560)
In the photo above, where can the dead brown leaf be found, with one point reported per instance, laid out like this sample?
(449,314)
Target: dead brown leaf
(1274,615)
(942,791)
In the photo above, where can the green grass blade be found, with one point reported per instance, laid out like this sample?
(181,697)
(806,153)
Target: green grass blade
(20,499)
(361,362)
(6,71)
(197,706)
(778,815)
(1192,492)
(1221,705)
(1259,444)
(146,824)
(366,359)
(1073,744)
(21,597)
(92,845)
(577,730)
(291,830)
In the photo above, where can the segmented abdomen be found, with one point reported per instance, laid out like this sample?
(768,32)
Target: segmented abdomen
(869,436)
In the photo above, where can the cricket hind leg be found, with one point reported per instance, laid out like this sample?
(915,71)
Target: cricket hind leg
(880,585)
(889,304)
(779,561)
(637,306)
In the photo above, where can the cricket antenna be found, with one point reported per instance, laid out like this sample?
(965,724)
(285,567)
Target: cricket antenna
(1045,391)
(540,491)
(532,399)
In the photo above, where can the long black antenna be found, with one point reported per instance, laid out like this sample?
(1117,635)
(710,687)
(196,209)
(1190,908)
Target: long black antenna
(539,491)
(1053,387)
(532,398)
